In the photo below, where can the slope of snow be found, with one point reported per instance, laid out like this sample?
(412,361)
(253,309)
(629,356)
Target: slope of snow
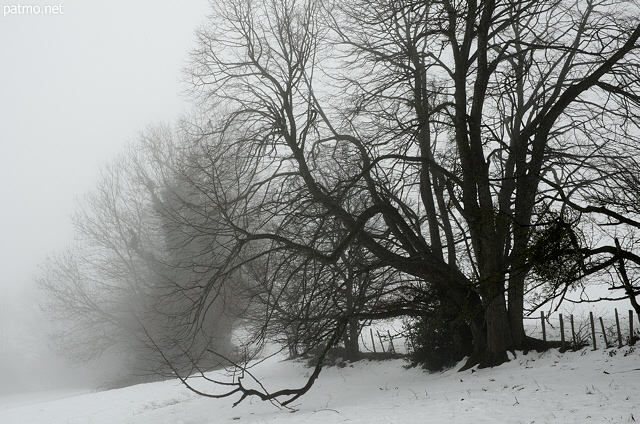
(587,386)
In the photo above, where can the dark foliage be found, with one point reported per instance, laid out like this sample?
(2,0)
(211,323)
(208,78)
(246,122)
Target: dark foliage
(555,251)
(437,342)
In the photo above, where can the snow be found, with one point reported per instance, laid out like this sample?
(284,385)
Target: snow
(583,387)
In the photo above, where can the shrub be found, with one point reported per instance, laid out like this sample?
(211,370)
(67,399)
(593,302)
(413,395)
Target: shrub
(436,342)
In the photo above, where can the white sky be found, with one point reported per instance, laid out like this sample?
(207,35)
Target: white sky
(74,88)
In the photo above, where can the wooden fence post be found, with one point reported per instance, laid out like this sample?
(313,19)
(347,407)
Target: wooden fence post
(593,331)
(392,348)
(381,342)
(561,334)
(573,334)
(604,335)
(631,340)
(372,340)
(618,328)
(544,332)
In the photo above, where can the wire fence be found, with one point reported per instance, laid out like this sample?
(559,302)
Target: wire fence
(578,331)
(568,331)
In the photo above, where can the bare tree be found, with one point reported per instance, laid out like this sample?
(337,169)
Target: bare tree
(121,289)
(98,288)
(451,112)
(510,86)
(455,125)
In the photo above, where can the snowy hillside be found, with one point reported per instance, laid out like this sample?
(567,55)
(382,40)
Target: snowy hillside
(587,386)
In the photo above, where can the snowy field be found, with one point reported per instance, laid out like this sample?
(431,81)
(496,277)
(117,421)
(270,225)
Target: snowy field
(587,386)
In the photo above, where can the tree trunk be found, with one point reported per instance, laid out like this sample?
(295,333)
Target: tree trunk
(479,332)
(518,271)
(463,339)
(350,338)
(473,312)
(499,338)
(516,311)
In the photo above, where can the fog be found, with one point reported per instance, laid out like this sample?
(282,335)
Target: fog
(76,86)
(26,361)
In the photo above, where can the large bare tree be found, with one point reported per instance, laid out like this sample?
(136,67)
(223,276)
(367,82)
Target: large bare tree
(421,149)
(452,115)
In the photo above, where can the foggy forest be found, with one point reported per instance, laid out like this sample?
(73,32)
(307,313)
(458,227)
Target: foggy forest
(436,172)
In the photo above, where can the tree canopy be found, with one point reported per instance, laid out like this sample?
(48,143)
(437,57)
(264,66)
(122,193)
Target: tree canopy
(362,160)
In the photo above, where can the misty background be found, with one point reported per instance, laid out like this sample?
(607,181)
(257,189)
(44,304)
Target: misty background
(75,88)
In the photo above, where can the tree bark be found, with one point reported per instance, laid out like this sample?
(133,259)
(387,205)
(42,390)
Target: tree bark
(499,338)
(516,311)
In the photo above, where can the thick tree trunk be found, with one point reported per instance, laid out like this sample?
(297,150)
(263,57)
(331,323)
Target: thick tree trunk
(516,311)
(473,312)
(518,273)
(463,339)
(479,333)
(499,339)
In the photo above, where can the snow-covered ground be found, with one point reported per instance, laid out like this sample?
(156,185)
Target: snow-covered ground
(587,386)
